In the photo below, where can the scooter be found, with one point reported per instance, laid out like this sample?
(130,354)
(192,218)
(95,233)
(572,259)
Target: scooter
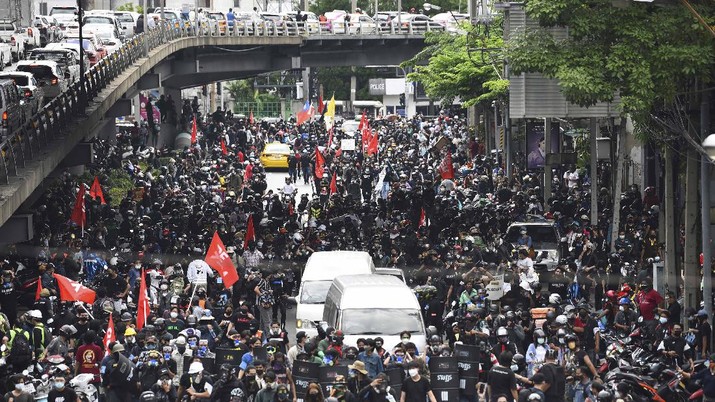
(86,392)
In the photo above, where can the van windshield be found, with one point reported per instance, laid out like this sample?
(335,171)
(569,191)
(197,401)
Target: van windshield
(542,236)
(315,292)
(383,321)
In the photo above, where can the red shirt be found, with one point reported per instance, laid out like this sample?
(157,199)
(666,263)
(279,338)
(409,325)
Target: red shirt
(88,358)
(648,303)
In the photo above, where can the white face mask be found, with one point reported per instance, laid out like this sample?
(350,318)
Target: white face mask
(514,368)
(19,387)
(173,314)
(540,341)
(164,287)
(413,372)
(663,320)
(621,308)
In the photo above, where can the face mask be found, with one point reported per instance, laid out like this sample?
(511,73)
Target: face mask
(514,367)
(622,237)
(282,396)
(167,356)
(129,339)
(405,341)
(21,387)
(259,372)
(236,342)
(59,384)
(562,341)
(181,349)
(572,345)
(413,372)
(137,266)
(275,331)
(164,287)
(151,346)
(621,308)
(540,341)
(173,314)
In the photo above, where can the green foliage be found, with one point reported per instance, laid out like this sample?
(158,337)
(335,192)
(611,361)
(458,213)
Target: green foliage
(337,80)
(118,183)
(131,8)
(464,66)
(646,53)
(243,91)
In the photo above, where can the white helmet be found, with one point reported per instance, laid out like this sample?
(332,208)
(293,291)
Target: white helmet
(562,320)
(501,331)
(555,298)
(196,367)
(36,314)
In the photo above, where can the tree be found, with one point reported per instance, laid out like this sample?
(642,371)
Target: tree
(454,70)
(131,8)
(646,53)
(368,6)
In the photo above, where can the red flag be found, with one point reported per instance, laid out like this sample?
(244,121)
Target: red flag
(250,117)
(194,131)
(363,121)
(248,173)
(39,288)
(224,151)
(319,163)
(220,261)
(78,215)
(96,190)
(74,291)
(446,169)
(240,156)
(372,146)
(334,184)
(423,218)
(250,232)
(330,137)
(338,152)
(109,336)
(142,304)
(321,105)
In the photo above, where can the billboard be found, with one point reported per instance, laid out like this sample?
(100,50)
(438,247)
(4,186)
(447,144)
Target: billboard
(536,144)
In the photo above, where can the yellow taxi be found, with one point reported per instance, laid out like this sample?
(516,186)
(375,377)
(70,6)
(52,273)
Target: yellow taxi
(275,155)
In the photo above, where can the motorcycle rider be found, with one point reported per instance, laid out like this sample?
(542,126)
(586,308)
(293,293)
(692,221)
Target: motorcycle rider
(675,348)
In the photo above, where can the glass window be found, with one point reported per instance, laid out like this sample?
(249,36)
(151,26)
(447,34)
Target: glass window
(387,321)
(314,292)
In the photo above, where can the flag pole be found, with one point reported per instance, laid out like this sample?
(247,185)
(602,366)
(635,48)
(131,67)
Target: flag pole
(87,311)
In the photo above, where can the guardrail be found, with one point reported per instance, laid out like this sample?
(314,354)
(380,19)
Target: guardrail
(47,124)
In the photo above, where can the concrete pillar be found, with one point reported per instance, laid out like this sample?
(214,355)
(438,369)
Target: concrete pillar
(594,168)
(547,167)
(306,84)
(136,107)
(109,130)
(353,91)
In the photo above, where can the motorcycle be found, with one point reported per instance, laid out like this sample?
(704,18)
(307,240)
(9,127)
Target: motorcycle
(81,384)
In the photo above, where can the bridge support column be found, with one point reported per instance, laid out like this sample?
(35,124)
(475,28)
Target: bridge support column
(17,229)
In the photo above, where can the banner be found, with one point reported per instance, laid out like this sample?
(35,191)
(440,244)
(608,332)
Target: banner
(495,289)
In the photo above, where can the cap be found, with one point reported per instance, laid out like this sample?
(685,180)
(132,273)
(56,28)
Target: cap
(196,367)
(180,341)
(118,348)
(35,314)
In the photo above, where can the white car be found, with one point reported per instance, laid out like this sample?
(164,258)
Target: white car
(128,21)
(450,21)
(362,24)
(8,35)
(67,59)
(48,74)
(29,88)
(109,41)
(64,15)
(109,21)
(5,54)
(30,36)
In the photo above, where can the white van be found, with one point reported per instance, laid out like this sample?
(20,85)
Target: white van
(368,306)
(320,270)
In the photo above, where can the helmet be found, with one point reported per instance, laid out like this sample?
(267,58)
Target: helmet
(534,398)
(501,331)
(191,320)
(147,396)
(611,294)
(130,332)
(555,298)
(196,367)
(518,359)
(35,314)
(562,320)
(237,394)
(624,301)
(510,315)
(434,339)
(571,338)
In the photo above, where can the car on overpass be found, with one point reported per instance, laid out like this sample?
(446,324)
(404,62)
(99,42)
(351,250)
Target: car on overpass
(308,21)
(48,74)
(10,109)
(34,95)
(59,53)
(94,53)
(275,155)
(217,22)
(9,35)
(247,22)
(64,15)
(450,21)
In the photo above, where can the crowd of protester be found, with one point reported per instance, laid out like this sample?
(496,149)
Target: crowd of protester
(443,224)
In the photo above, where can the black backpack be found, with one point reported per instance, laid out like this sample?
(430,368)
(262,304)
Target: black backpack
(21,350)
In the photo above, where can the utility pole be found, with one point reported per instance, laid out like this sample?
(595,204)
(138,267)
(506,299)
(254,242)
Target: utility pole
(547,167)
(594,170)
(705,165)
(671,271)
(691,268)
(618,185)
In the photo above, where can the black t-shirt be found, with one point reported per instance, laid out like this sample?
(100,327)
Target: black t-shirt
(525,393)
(114,286)
(555,376)
(416,391)
(66,395)
(501,380)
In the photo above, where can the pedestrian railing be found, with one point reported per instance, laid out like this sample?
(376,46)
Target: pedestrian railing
(50,122)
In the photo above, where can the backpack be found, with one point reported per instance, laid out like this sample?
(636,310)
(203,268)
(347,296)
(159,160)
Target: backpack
(21,349)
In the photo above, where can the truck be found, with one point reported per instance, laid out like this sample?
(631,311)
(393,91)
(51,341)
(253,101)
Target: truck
(8,35)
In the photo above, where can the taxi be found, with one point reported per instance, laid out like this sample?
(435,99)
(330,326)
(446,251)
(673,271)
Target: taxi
(275,155)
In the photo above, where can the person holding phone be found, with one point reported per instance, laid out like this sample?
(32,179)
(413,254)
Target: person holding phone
(378,390)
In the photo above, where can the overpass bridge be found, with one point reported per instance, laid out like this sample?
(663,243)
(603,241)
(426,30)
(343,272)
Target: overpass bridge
(174,58)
